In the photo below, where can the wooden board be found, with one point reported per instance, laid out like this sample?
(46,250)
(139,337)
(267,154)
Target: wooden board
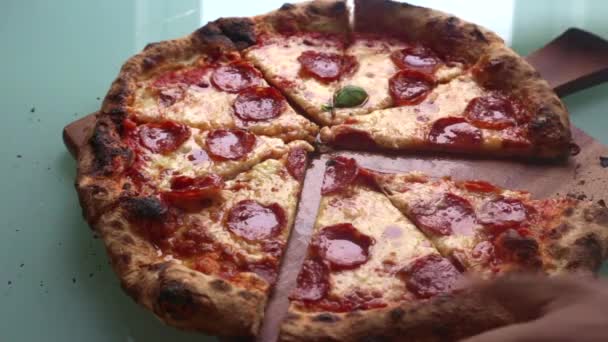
(571,62)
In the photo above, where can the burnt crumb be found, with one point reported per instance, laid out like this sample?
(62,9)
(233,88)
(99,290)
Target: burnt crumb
(41,283)
(98,98)
(90,275)
(581,197)
(22,264)
(176,300)
(602,203)
(604,161)
(19,156)
(33,110)
(73,280)
(10,282)
(17,230)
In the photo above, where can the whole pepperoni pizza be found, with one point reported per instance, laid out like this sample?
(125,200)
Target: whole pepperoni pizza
(193,174)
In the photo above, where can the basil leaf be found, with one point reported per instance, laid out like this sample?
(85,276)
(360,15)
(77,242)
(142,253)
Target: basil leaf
(350,96)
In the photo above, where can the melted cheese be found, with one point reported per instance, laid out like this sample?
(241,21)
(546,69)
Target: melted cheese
(161,167)
(397,242)
(278,61)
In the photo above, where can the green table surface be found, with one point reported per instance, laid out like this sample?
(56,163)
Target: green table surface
(57,61)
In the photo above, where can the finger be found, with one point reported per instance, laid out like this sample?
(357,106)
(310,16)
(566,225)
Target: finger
(534,331)
(528,296)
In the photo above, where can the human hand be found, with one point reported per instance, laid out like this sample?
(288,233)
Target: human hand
(556,309)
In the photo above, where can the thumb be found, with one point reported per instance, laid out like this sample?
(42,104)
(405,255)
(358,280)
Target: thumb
(528,296)
(535,331)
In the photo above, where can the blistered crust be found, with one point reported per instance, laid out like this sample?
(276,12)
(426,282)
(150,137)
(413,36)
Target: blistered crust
(178,295)
(445,318)
(326,16)
(579,240)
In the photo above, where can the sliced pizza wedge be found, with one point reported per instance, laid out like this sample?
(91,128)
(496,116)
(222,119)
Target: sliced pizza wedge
(300,50)
(382,61)
(368,268)
(205,254)
(489,230)
(500,106)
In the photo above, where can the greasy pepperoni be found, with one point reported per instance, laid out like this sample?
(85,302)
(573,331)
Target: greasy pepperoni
(230,144)
(296,163)
(478,186)
(259,104)
(312,282)
(191,76)
(492,111)
(254,221)
(410,87)
(455,131)
(235,77)
(342,246)
(353,138)
(502,213)
(430,275)
(326,67)
(340,172)
(452,214)
(163,137)
(416,58)
(193,193)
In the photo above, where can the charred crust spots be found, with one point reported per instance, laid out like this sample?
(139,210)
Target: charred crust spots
(159,267)
(106,149)
(587,253)
(247,295)
(569,211)
(212,34)
(176,300)
(597,214)
(547,128)
(150,62)
(287,7)
(239,30)
(151,45)
(128,240)
(147,208)
(325,317)
(559,231)
(479,36)
(220,285)
(396,314)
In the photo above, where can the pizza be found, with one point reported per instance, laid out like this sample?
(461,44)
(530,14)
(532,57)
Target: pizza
(193,172)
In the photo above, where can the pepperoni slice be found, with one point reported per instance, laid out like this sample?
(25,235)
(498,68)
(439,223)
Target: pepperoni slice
(342,246)
(410,87)
(229,144)
(193,193)
(326,67)
(164,137)
(416,58)
(312,282)
(502,213)
(430,275)
(354,138)
(456,132)
(235,77)
(478,186)
(259,104)
(492,111)
(452,214)
(296,163)
(254,221)
(340,172)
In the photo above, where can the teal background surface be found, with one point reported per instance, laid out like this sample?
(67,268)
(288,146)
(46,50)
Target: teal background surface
(57,62)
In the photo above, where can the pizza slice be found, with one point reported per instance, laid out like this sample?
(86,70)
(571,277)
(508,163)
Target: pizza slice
(489,230)
(204,254)
(300,50)
(382,61)
(368,268)
(500,106)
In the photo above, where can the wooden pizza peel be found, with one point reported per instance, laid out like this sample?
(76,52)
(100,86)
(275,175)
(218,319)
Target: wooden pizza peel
(574,61)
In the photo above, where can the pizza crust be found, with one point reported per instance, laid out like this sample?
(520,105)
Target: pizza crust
(178,295)
(444,318)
